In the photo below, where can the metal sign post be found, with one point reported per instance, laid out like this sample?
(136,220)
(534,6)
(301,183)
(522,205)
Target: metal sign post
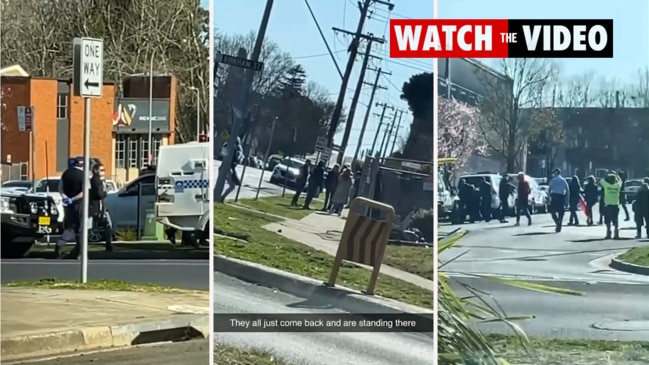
(88,82)
(263,168)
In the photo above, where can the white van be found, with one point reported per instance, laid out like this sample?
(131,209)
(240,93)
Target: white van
(183,190)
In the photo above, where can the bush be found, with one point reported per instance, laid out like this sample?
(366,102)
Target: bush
(424,220)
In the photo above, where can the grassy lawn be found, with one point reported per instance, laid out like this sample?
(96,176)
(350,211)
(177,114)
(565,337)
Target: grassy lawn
(271,249)
(224,354)
(636,256)
(577,352)
(415,260)
(276,205)
(114,285)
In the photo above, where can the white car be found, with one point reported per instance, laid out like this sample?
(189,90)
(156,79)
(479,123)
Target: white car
(287,171)
(17,185)
(122,205)
(631,188)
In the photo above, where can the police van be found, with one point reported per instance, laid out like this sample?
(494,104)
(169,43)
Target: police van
(183,190)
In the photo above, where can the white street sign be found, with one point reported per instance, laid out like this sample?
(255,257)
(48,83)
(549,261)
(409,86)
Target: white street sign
(88,67)
(321,144)
(21,119)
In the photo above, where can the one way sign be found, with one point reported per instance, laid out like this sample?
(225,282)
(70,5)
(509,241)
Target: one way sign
(88,67)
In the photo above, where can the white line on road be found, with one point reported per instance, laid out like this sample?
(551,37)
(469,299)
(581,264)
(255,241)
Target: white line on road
(108,262)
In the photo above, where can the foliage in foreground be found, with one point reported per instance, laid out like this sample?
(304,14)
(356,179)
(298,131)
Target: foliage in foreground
(460,342)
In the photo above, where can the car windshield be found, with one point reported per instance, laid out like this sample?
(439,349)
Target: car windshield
(17,184)
(633,183)
(293,163)
(44,186)
(474,180)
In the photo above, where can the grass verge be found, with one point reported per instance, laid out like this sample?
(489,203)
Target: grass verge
(578,352)
(415,260)
(276,205)
(112,285)
(271,249)
(224,354)
(636,256)
(121,247)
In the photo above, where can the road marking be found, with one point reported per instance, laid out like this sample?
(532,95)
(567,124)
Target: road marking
(106,262)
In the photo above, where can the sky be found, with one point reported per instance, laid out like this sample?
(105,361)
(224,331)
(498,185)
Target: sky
(630,29)
(293,29)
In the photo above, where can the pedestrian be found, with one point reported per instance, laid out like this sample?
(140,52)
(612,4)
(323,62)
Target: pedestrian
(622,176)
(641,208)
(591,196)
(523,199)
(97,208)
(559,192)
(486,191)
(601,204)
(464,194)
(331,182)
(341,196)
(315,185)
(575,196)
(474,203)
(232,178)
(301,181)
(504,191)
(71,190)
(612,184)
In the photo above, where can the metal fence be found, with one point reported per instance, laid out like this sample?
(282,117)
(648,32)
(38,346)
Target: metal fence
(406,191)
(14,171)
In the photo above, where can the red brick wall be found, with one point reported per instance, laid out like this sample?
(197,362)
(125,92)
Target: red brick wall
(43,99)
(15,93)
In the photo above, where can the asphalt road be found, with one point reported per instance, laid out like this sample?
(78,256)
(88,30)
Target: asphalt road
(537,252)
(251,181)
(181,353)
(234,296)
(605,311)
(185,274)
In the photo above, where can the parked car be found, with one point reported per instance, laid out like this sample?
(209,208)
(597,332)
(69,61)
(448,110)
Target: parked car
(494,180)
(17,185)
(631,188)
(287,171)
(122,205)
(272,161)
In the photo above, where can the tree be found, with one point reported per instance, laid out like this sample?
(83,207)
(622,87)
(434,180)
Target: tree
(292,83)
(37,35)
(576,93)
(418,93)
(458,134)
(510,113)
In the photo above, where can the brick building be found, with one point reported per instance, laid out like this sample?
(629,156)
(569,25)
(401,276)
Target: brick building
(117,124)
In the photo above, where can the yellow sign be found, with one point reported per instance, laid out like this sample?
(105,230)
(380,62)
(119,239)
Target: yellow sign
(364,240)
(43,221)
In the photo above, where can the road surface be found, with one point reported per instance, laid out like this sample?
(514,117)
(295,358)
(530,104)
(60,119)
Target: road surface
(185,274)
(234,296)
(606,311)
(181,353)
(251,181)
(576,258)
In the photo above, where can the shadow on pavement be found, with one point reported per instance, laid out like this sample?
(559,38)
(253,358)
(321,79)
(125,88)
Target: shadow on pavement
(532,234)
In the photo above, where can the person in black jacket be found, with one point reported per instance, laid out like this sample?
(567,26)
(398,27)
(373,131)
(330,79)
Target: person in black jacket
(97,209)
(641,209)
(485,190)
(316,183)
(591,196)
(575,196)
(504,190)
(331,182)
(300,182)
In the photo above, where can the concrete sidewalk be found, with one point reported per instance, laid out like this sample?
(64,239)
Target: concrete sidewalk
(323,231)
(39,322)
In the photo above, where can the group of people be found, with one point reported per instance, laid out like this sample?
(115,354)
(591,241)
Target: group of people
(338,185)
(608,193)
(71,190)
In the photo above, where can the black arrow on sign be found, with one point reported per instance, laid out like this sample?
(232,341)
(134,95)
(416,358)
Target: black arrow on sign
(89,84)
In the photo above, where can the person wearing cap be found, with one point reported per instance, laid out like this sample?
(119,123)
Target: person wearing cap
(559,195)
(612,184)
(71,190)
(97,208)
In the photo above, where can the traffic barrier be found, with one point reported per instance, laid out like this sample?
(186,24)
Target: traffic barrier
(364,239)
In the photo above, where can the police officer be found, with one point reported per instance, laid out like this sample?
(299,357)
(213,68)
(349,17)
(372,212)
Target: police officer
(464,194)
(316,182)
(504,190)
(71,190)
(641,208)
(301,181)
(612,185)
(97,208)
(485,199)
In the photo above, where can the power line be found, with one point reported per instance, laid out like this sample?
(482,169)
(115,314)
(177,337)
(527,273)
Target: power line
(315,55)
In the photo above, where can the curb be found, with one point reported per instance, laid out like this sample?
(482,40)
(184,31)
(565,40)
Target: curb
(343,298)
(132,255)
(627,267)
(180,327)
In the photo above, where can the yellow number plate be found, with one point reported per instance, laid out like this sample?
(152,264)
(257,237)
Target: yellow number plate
(43,221)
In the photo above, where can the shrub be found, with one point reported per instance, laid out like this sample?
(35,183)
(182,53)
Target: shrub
(424,220)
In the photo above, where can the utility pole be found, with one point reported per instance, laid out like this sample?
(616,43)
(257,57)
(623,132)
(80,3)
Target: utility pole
(353,52)
(396,133)
(357,94)
(369,107)
(387,134)
(237,123)
(378,129)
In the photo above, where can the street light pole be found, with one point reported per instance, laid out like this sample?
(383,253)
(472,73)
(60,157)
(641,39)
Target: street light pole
(151,107)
